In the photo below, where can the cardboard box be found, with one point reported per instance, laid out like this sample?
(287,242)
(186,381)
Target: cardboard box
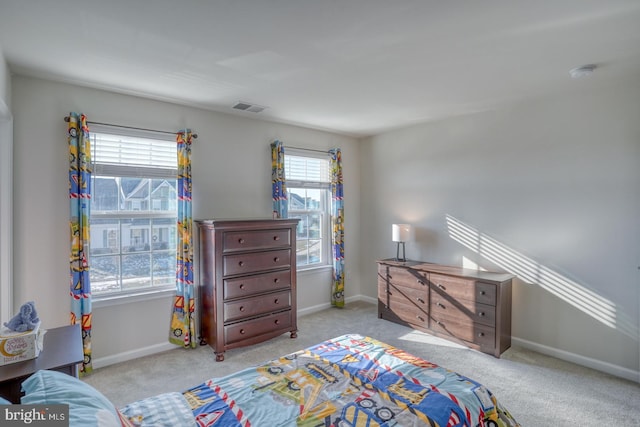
(20,346)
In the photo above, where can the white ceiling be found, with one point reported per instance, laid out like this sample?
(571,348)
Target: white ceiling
(357,67)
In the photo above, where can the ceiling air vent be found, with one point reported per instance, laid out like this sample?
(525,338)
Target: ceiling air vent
(245,106)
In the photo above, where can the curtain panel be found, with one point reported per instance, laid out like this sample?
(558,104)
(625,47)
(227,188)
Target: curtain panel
(337,227)
(80,198)
(278,183)
(182,331)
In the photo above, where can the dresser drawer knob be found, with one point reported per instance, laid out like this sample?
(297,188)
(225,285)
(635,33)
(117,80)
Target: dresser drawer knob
(441,305)
(420,318)
(241,240)
(481,314)
(241,263)
(276,238)
(420,282)
(439,323)
(481,334)
(277,321)
(241,286)
(420,300)
(276,280)
(241,308)
(441,286)
(276,259)
(483,293)
(242,331)
(276,301)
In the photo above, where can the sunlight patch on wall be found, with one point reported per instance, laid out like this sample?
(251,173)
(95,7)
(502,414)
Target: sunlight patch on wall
(531,271)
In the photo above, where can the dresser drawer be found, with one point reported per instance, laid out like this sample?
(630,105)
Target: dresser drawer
(252,240)
(397,304)
(392,295)
(257,305)
(404,277)
(244,330)
(462,309)
(249,285)
(482,335)
(254,262)
(461,288)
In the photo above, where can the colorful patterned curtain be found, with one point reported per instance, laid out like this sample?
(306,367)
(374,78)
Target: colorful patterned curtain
(182,323)
(80,197)
(278,185)
(337,225)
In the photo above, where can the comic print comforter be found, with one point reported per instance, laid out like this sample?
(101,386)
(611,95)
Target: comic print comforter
(346,381)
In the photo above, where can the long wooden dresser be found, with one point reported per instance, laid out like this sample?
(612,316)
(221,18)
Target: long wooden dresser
(467,306)
(247,281)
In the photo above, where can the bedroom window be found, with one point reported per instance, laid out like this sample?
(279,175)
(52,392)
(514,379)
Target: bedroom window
(133,214)
(308,191)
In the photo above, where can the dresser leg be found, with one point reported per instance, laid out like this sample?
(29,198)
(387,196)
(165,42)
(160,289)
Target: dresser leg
(294,334)
(219,357)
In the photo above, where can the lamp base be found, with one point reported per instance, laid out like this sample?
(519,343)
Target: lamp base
(403,259)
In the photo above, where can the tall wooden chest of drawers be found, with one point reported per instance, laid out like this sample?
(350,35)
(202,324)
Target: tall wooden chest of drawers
(247,281)
(470,307)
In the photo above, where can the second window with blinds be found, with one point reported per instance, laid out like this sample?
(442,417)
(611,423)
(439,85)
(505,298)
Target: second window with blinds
(133,213)
(309,196)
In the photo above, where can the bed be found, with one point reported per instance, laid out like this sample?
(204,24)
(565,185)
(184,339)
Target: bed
(351,380)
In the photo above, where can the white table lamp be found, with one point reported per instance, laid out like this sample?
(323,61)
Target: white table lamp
(401,233)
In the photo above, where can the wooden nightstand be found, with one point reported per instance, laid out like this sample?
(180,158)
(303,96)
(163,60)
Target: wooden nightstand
(62,351)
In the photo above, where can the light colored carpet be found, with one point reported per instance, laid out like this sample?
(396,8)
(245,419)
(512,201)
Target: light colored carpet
(537,389)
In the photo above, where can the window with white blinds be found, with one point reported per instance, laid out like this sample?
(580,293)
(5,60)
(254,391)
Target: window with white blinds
(308,193)
(133,213)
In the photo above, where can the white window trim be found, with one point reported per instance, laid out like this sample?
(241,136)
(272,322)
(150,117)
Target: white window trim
(132,297)
(142,294)
(328,252)
(315,268)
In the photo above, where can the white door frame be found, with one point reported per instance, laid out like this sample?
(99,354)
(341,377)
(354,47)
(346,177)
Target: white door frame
(6,213)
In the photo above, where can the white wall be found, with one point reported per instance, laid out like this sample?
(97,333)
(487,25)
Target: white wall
(6,226)
(552,184)
(549,190)
(231,178)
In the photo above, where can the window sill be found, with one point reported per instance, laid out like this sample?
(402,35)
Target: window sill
(314,269)
(107,301)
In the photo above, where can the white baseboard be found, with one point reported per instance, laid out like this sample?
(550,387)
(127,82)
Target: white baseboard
(101,362)
(324,306)
(364,298)
(596,364)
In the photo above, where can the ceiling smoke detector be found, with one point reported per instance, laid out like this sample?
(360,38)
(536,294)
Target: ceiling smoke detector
(582,71)
(246,106)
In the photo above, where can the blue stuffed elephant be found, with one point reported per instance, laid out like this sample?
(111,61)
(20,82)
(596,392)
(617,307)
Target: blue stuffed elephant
(26,319)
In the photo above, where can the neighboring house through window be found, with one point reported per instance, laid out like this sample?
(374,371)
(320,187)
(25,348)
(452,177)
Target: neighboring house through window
(133,213)
(308,192)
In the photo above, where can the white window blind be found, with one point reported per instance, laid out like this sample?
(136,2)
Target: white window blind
(308,170)
(118,155)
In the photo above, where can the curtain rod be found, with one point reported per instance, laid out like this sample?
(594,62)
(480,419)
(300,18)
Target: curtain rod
(307,149)
(194,135)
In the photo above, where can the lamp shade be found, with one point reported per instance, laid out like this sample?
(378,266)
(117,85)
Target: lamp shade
(401,233)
